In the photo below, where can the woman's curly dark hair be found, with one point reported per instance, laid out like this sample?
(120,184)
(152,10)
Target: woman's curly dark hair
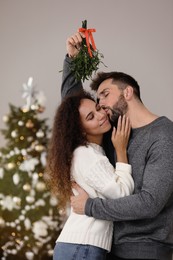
(67,135)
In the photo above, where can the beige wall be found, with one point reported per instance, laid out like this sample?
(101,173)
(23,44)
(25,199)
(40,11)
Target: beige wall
(135,36)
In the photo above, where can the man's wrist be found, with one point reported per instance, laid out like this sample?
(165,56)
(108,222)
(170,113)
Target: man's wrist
(88,207)
(68,58)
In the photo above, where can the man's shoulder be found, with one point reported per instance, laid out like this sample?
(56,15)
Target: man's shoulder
(162,131)
(163,125)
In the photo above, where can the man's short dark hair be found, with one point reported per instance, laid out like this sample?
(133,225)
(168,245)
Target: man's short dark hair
(121,79)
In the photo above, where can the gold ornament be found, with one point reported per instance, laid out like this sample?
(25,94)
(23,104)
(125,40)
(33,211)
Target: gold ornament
(30,199)
(18,241)
(24,109)
(2,222)
(20,123)
(17,201)
(34,107)
(14,134)
(29,124)
(40,186)
(29,138)
(40,174)
(39,147)
(40,134)
(10,166)
(27,187)
(29,255)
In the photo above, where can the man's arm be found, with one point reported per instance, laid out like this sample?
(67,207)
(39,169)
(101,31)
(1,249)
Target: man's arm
(156,192)
(70,85)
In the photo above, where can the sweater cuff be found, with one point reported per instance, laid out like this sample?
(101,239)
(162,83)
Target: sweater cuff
(123,167)
(68,59)
(88,207)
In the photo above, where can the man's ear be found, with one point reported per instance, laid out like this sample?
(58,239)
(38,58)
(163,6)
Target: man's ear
(128,93)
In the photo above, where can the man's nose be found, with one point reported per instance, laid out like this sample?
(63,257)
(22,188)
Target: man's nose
(101,102)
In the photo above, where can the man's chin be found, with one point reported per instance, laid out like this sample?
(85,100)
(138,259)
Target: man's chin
(113,116)
(113,120)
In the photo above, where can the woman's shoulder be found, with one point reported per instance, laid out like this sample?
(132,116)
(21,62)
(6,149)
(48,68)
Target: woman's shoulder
(90,148)
(85,157)
(90,152)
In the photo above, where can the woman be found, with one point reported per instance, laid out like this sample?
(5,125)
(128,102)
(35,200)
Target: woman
(76,154)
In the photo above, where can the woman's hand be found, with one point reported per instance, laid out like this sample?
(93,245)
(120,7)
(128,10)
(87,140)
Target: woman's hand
(120,138)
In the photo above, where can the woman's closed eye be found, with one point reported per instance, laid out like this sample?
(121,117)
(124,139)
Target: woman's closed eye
(90,116)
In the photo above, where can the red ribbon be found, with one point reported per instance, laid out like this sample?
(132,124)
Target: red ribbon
(89,36)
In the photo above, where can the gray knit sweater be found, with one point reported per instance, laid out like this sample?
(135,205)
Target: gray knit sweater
(143,222)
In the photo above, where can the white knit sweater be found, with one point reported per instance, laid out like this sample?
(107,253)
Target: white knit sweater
(92,170)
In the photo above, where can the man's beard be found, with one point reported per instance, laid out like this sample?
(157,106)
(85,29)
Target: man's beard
(119,109)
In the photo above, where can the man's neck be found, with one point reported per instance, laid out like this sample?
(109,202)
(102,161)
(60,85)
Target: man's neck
(139,115)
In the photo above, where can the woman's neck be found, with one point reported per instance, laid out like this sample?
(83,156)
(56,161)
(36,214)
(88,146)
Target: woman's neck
(96,139)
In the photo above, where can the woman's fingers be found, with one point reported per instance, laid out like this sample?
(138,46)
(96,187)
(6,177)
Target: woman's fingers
(119,124)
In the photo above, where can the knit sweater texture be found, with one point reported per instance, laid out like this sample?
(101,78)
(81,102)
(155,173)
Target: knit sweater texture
(92,170)
(143,225)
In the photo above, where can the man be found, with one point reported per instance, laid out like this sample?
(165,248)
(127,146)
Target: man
(143,226)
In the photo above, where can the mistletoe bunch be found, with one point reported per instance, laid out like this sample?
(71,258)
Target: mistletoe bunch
(88,59)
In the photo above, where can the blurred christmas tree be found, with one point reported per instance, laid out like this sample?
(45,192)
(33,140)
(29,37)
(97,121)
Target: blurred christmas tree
(29,217)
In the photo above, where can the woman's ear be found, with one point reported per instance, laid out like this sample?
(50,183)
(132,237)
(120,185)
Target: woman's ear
(128,93)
